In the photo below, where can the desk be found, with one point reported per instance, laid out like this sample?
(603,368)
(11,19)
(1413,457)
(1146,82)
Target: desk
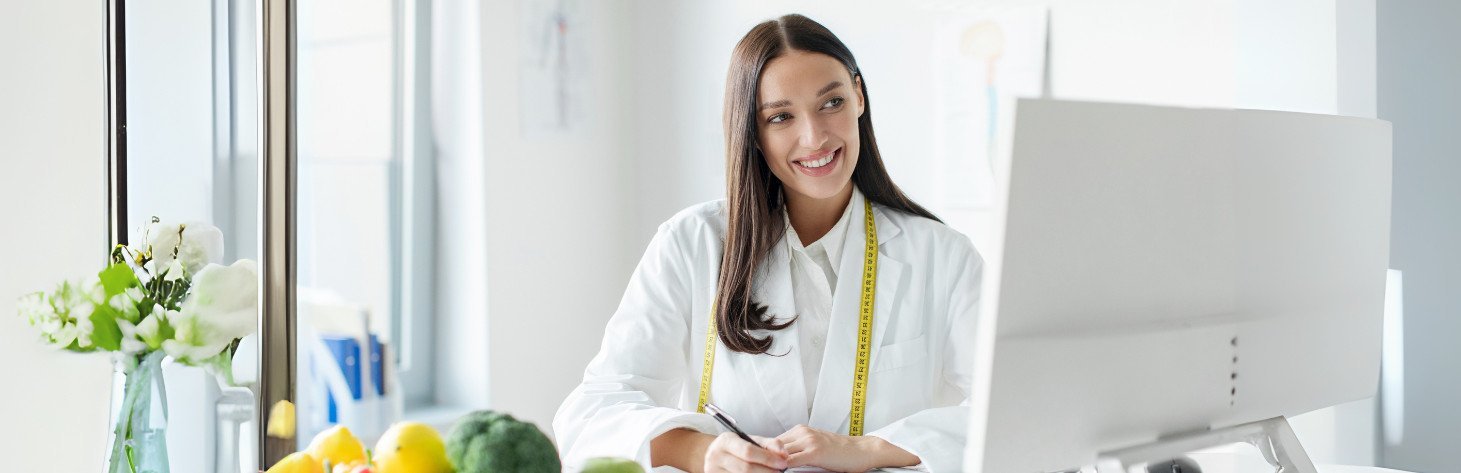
(1247,460)
(670,469)
(1210,462)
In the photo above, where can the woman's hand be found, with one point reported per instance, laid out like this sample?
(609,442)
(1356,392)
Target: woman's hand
(830,451)
(728,453)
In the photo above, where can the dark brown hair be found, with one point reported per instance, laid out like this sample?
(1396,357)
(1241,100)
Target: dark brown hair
(755,199)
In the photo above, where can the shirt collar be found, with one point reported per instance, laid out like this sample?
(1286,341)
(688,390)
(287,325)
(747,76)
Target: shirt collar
(833,241)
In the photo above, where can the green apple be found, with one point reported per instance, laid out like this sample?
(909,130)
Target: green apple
(611,465)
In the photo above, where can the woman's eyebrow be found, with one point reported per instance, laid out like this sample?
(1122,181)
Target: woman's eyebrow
(784,102)
(828,87)
(776,104)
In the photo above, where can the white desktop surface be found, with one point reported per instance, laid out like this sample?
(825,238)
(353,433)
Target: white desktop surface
(1226,459)
(1247,460)
(670,469)
(1243,467)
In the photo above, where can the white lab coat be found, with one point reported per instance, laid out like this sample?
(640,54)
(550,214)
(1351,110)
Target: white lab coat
(645,379)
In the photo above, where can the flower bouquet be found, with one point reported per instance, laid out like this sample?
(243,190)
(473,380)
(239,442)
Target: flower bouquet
(166,298)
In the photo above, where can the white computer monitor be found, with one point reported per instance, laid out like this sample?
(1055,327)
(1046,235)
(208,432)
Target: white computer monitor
(1167,270)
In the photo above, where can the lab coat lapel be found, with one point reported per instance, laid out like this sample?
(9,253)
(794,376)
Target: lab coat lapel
(833,402)
(779,372)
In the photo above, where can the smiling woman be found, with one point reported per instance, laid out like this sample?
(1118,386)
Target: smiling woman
(781,70)
(814,253)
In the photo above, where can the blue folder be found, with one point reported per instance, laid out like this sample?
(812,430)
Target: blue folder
(346,351)
(377,367)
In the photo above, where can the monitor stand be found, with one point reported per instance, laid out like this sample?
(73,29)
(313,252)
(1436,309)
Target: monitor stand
(1273,437)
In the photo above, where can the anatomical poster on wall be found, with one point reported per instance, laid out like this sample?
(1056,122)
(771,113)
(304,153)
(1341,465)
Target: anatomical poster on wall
(984,60)
(552,55)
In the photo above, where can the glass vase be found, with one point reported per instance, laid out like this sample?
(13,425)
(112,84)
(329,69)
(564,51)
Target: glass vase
(139,433)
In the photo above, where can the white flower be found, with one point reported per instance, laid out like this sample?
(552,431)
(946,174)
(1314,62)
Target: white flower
(131,343)
(69,317)
(197,244)
(36,308)
(221,307)
(40,311)
(126,304)
(175,270)
(145,272)
(149,330)
(90,291)
(63,316)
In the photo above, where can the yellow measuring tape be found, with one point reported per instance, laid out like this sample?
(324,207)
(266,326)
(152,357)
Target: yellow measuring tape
(864,331)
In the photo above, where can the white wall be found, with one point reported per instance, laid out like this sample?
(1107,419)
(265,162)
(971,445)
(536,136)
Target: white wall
(1176,53)
(53,197)
(1419,71)
(558,253)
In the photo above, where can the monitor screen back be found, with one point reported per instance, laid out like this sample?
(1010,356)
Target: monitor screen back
(1168,270)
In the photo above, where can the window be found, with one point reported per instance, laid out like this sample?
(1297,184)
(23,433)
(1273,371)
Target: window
(365,201)
(366,218)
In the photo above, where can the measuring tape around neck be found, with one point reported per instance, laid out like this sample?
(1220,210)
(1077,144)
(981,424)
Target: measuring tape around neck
(864,331)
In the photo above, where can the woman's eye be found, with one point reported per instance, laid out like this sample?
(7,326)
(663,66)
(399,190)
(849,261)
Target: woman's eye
(778,118)
(834,102)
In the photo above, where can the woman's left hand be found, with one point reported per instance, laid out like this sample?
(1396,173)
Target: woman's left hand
(830,451)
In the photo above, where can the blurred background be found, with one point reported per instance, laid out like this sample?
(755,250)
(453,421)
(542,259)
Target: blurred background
(478,179)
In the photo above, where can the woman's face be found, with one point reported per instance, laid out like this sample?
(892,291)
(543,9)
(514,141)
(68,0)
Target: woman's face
(808,109)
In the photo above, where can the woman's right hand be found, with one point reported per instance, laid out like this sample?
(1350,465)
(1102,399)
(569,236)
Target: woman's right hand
(729,454)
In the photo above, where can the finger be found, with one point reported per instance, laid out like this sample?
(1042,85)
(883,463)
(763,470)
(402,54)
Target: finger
(795,446)
(800,431)
(774,445)
(754,454)
(736,465)
(801,458)
(789,436)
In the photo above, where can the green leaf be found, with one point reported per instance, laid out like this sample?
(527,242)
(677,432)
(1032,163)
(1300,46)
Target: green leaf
(117,278)
(165,331)
(75,346)
(105,334)
(222,364)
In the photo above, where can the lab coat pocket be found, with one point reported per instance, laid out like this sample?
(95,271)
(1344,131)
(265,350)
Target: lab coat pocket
(901,354)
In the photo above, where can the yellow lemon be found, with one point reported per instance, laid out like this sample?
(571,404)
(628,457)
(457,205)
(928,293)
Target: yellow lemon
(411,447)
(337,446)
(297,462)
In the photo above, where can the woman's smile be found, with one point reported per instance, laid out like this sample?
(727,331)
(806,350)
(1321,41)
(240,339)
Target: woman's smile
(820,164)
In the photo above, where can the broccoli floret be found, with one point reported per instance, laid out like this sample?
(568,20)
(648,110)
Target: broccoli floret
(494,442)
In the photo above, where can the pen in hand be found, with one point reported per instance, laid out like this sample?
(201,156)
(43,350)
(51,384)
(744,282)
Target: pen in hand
(726,421)
(729,423)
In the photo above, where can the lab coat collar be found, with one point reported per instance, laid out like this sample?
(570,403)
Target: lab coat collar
(831,408)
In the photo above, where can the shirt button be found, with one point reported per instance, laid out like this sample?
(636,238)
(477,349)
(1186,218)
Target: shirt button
(817,341)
